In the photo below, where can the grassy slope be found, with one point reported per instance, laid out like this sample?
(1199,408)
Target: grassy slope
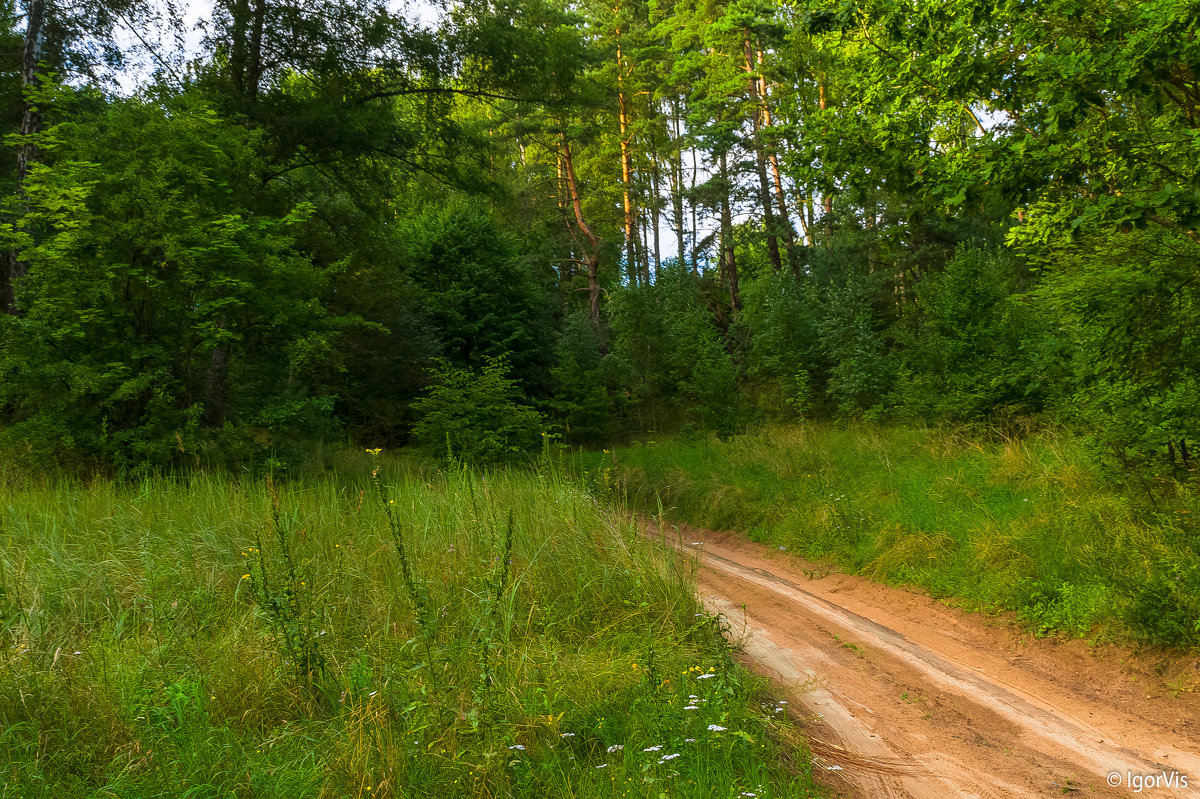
(170,639)
(1016,525)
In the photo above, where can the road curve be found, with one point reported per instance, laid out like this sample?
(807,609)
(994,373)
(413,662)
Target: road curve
(906,697)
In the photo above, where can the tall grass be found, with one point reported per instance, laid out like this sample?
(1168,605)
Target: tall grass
(1003,524)
(437,634)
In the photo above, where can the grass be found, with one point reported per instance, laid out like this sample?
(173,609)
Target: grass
(421,634)
(1011,524)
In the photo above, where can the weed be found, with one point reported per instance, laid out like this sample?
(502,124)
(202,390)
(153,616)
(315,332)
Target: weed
(288,602)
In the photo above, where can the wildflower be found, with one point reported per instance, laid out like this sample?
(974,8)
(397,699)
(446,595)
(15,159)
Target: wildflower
(567,735)
(716,728)
(245,576)
(692,707)
(748,793)
(704,676)
(371,694)
(665,758)
(654,748)
(602,765)
(615,748)
(689,740)
(375,451)
(518,747)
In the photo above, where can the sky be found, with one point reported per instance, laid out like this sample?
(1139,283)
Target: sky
(167,48)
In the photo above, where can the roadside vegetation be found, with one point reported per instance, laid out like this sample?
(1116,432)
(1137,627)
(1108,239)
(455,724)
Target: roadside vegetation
(436,633)
(989,522)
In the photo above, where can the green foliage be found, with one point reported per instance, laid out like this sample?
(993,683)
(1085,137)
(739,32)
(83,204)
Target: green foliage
(482,298)
(678,359)
(1130,303)
(479,416)
(783,350)
(975,349)
(588,384)
(157,307)
(862,370)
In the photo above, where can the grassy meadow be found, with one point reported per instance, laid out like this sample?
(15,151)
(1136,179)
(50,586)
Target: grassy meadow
(1009,524)
(417,634)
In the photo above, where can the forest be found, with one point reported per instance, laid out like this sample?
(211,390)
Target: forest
(359,363)
(597,222)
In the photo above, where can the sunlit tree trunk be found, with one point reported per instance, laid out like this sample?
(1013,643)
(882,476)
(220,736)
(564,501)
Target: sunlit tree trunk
(593,243)
(766,201)
(785,222)
(630,215)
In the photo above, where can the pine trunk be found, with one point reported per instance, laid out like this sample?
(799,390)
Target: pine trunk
(593,249)
(760,159)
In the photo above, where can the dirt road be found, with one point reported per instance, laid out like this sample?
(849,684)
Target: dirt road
(906,697)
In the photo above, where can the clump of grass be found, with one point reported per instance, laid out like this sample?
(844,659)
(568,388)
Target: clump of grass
(461,634)
(998,524)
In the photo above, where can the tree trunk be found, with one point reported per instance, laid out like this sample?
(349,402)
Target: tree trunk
(728,257)
(785,222)
(677,184)
(827,199)
(760,158)
(215,384)
(14,267)
(630,220)
(593,254)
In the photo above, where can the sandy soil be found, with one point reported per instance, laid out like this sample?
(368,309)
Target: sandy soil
(904,696)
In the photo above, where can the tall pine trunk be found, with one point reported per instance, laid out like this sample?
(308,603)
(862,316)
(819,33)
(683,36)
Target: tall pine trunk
(593,249)
(765,200)
(728,256)
(630,217)
(785,221)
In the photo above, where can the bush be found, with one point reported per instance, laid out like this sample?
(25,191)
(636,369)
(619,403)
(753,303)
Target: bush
(478,415)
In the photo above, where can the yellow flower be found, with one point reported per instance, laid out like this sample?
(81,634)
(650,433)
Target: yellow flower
(245,576)
(375,451)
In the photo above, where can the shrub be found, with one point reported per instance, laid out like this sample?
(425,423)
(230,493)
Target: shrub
(479,415)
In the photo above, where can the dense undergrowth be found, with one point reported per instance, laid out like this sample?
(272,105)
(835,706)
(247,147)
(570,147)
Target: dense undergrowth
(1007,524)
(425,634)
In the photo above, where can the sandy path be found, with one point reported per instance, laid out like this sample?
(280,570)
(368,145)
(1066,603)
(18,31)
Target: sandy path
(906,697)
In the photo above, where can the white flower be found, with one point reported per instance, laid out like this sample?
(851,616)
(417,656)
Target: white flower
(716,728)
(705,676)
(692,696)
(689,740)
(371,694)
(615,748)
(654,748)
(602,765)
(665,758)
(747,793)
(567,735)
(518,747)
(692,707)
